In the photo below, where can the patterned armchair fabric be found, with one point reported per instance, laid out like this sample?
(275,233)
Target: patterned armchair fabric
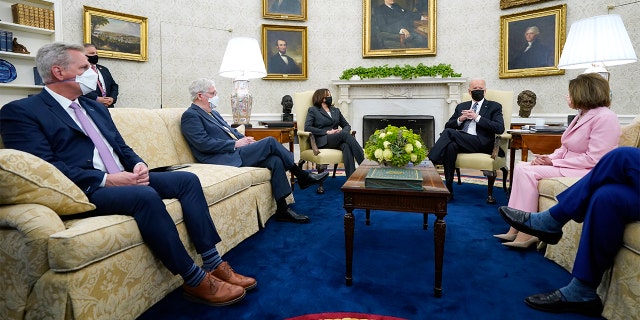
(620,287)
(99,267)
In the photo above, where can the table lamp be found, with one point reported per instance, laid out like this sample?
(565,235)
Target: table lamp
(242,61)
(595,43)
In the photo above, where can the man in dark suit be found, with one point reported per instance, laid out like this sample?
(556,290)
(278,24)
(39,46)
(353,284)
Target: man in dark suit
(212,140)
(281,62)
(107,90)
(471,128)
(391,18)
(533,53)
(604,201)
(78,137)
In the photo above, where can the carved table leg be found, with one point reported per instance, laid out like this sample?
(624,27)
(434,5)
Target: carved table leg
(349,228)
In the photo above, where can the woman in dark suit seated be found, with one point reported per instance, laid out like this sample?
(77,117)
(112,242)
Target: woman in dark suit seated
(332,131)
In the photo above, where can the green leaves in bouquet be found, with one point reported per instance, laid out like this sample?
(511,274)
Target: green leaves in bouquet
(395,146)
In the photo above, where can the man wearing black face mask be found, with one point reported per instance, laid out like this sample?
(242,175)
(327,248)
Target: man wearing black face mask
(471,128)
(107,90)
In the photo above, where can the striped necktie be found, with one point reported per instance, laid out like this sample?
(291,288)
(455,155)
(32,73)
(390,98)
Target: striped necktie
(224,126)
(467,123)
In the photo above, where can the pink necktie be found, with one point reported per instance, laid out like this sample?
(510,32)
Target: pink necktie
(467,123)
(102,91)
(103,150)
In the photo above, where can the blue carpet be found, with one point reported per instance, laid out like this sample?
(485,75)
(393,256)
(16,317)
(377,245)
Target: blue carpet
(300,268)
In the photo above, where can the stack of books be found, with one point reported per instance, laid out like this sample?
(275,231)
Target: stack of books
(6,40)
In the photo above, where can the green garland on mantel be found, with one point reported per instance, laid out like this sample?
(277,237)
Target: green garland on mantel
(406,72)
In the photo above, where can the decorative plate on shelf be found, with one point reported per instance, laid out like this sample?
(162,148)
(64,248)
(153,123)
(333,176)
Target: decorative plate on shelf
(7,71)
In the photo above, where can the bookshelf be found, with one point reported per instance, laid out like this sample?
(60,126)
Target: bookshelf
(32,38)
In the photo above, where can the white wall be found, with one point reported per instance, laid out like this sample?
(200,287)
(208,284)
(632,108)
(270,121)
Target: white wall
(187,41)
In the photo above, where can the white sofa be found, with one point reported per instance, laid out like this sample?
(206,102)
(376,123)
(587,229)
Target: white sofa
(99,267)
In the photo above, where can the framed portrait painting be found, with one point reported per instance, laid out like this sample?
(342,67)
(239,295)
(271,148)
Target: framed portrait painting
(398,28)
(504,4)
(116,35)
(284,49)
(531,42)
(285,9)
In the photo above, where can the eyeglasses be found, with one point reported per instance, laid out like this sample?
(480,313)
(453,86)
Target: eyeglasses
(213,94)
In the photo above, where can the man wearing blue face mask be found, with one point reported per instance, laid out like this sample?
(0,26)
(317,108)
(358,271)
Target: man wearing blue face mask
(77,136)
(471,128)
(213,141)
(106,91)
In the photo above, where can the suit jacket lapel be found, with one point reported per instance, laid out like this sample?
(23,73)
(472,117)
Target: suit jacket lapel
(58,110)
(584,119)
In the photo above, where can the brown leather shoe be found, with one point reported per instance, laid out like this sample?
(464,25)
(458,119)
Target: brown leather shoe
(226,273)
(214,292)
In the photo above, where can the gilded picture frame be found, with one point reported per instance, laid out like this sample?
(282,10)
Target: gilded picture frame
(504,4)
(294,10)
(116,35)
(531,42)
(385,35)
(284,49)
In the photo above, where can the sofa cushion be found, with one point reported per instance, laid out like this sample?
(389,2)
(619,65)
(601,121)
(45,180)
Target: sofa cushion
(25,178)
(220,182)
(109,235)
(630,134)
(146,133)
(631,238)
(549,188)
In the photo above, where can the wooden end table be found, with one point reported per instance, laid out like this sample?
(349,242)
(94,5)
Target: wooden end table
(538,143)
(431,199)
(283,135)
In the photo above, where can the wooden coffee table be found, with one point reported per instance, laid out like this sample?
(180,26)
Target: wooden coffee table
(432,199)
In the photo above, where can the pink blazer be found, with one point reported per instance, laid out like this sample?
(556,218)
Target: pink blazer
(599,128)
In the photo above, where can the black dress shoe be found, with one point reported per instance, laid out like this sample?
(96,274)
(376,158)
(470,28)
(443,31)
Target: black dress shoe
(518,219)
(291,216)
(554,302)
(312,179)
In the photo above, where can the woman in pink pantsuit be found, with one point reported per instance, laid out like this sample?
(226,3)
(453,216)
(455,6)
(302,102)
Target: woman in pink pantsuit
(592,133)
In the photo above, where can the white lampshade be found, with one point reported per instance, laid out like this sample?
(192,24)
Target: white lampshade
(242,59)
(597,41)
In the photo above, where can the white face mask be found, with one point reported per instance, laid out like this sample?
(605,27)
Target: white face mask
(213,102)
(88,81)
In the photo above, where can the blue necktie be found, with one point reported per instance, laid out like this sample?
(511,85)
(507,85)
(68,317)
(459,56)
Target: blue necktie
(467,123)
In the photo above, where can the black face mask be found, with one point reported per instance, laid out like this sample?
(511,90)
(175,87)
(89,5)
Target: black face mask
(93,59)
(328,100)
(477,95)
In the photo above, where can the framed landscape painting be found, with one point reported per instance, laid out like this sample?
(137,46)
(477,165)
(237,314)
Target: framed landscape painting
(531,42)
(116,35)
(401,28)
(284,49)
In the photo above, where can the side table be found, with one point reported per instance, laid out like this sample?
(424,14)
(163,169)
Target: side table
(283,135)
(538,143)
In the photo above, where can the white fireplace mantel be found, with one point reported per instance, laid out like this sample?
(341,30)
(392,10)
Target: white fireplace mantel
(423,96)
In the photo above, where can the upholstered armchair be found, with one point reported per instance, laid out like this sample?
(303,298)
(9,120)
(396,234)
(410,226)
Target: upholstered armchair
(308,149)
(489,164)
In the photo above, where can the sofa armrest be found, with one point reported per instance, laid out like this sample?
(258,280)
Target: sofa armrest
(24,237)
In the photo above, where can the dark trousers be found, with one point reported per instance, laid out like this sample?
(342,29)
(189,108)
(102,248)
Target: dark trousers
(451,142)
(350,147)
(271,154)
(157,228)
(605,200)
